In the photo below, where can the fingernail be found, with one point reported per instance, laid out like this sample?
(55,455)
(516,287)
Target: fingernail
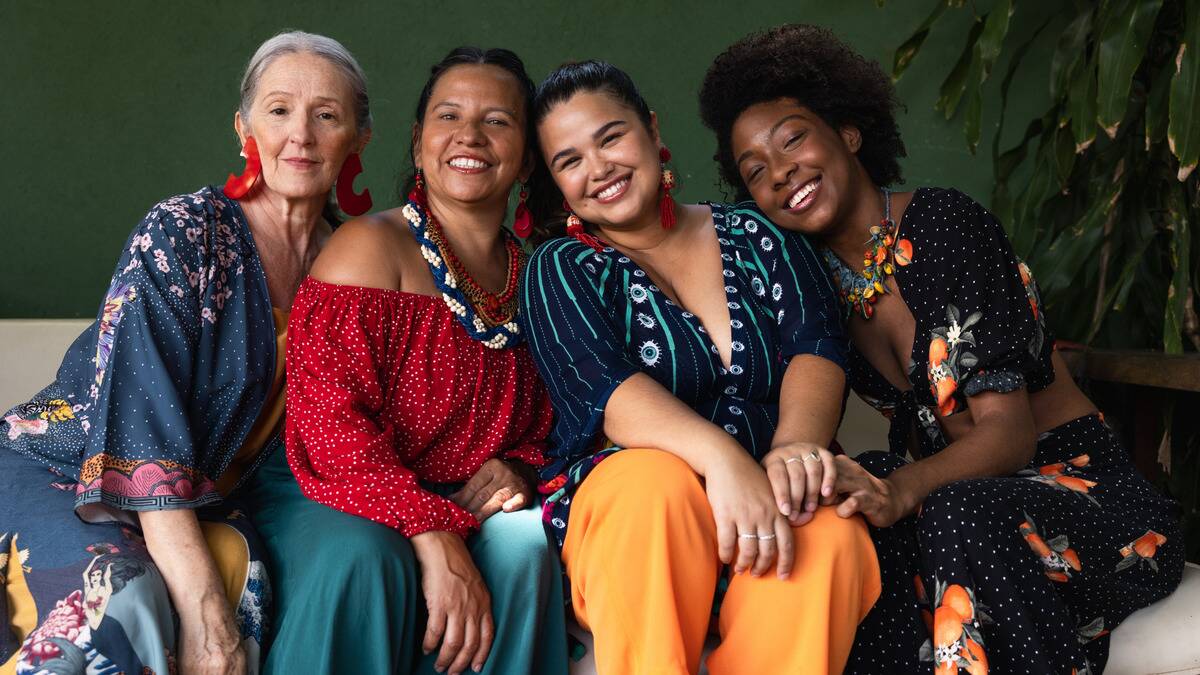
(785,508)
(812,506)
(784,576)
(826,490)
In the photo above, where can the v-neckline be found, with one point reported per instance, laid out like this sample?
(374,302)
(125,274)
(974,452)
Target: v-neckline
(693,320)
(911,368)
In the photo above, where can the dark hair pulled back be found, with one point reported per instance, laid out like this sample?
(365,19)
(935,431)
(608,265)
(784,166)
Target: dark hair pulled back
(569,79)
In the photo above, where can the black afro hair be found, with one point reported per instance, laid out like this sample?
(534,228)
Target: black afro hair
(813,67)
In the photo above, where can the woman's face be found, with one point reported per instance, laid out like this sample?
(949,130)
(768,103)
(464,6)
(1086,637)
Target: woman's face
(302,119)
(604,159)
(471,144)
(797,168)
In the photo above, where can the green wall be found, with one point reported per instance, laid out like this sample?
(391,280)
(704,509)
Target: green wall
(107,107)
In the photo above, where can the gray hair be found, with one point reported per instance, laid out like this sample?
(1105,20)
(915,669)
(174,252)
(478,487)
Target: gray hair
(299,42)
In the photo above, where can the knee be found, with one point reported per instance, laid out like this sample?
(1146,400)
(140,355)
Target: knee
(828,535)
(369,555)
(958,507)
(659,480)
(516,547)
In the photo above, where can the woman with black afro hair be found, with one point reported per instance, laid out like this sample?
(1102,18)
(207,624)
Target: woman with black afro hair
(1020,533)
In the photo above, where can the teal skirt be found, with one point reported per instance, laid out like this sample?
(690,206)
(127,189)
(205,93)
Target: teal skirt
(348,590)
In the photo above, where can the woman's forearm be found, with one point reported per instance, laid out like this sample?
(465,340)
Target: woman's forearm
(1001,441)
(179,550)
(643,414)
(810,401)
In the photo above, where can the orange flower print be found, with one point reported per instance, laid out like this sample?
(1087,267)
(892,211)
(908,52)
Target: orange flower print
(949,360)
(1057,557)
(957,643)
(937,351)
(1142,549)
(904,253)
(1063,476)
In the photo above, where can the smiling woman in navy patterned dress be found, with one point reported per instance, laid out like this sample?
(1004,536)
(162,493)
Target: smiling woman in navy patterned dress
(1021,534)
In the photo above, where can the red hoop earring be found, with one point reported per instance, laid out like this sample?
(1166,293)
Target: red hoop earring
(575,229)
(237,187)
(348,201)
(666,203)
(522,220)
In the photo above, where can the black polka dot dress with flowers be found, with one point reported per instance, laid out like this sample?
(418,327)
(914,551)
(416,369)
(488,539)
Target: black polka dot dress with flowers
(1025,573)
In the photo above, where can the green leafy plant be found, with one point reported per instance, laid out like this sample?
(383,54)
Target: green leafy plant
(1108,193)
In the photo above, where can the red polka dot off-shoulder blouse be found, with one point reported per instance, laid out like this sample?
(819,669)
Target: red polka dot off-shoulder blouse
(385,391)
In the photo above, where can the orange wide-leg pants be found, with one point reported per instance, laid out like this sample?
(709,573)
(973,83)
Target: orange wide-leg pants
(641,553)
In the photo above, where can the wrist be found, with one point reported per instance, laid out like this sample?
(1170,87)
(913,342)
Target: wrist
(905,491)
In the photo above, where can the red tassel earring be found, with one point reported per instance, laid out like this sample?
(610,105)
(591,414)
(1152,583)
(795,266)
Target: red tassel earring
(417,194)
(522,220)
(236,187)
(348,201)
(575,229)
(666,203)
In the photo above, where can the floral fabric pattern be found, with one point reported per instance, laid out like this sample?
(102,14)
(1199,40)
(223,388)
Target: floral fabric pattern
(151,401)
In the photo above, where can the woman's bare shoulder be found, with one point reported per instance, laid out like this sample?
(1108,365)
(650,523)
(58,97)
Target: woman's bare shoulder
(366,251)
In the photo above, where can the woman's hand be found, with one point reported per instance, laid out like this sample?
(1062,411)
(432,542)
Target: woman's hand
(881,501)
(802,476)
(748,521)
(209,641)
(460,607)
(496,486)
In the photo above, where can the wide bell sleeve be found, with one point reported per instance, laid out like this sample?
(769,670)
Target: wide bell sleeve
(141,446)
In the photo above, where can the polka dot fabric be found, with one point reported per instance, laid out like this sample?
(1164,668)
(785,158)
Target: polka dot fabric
(387,394)
(1014,574)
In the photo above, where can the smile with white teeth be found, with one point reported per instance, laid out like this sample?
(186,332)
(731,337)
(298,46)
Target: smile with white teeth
(468,163)
(613,189)
(803,192)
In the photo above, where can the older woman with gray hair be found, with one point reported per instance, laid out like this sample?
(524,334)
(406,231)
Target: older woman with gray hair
(166,404)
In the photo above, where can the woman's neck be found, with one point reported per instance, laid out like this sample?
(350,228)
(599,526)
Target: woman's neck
(645,237)
(850,232)
(474,233)
(282,225)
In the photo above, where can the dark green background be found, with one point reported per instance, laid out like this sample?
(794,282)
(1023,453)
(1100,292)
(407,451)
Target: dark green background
(107,107)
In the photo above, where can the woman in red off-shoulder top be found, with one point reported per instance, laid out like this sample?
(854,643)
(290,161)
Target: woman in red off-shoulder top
(416,419)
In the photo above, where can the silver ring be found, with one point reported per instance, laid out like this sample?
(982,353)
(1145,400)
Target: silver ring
(789,460)
(765,537)
(749,536)
(813,455)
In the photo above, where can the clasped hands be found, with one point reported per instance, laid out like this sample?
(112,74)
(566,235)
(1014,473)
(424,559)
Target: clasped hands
(754,532)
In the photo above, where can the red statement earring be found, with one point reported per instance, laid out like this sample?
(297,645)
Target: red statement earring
(237,187)
(348,201)
(575,229)
(666,203)
(417,194)
(522,221)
